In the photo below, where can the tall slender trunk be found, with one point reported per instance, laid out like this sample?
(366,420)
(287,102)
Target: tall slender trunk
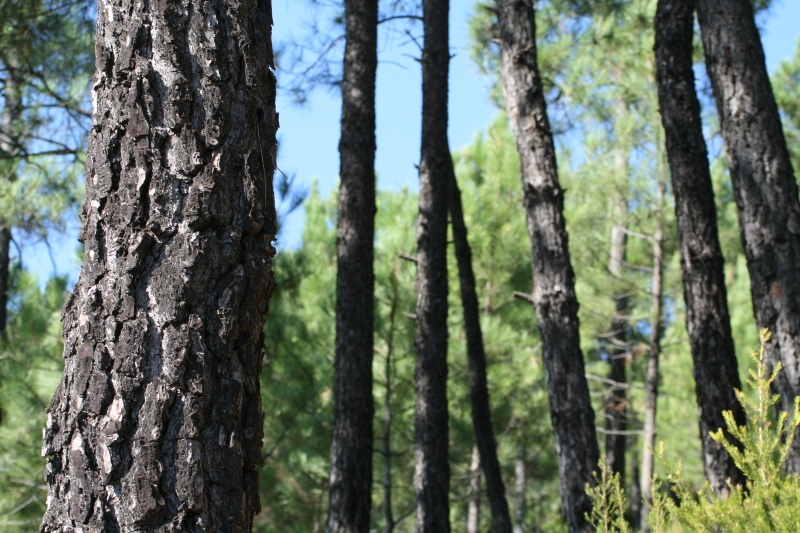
(5,259)
(651,380)
(553,278)
(520,485)
(616,396)
(353,406)
(474,506)
(636,492)
(387,425)
(10,129)
(157,422)
(715,367)
(478,388)
(763,182)
(431,469)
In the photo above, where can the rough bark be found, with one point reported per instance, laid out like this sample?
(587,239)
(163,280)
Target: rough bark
(156,425)
(651,380)
(763,182)
(553,278)
(616,396)
(353,406)
(474,506)
(478,388)
(432,470)
(707,320)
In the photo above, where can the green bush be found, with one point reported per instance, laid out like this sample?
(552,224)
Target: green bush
(770,499)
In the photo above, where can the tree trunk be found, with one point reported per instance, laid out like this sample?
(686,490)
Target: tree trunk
(636,493)
(474,509)
(520,485)
(651,381)
(715,367)
(387,427)
(157,422)
(478,388)
(353,406)
(10,129)
(5,258)
(432,470)
(763,182)
(553,278)
(616,396)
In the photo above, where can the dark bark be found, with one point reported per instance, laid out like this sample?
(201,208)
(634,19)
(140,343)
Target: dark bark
(553,278)
(387,427)
(157,422)
(432,470)
(763,182)
(353,406)
(616,397)
(478,388)
(707,320)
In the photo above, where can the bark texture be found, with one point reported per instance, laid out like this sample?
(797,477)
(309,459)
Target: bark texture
(478,388)
(353,406)
(763,182)
(707,320)
(156,425)
(553,278)
(432,469)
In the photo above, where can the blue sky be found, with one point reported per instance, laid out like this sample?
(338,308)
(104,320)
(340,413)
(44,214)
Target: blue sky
(309,134)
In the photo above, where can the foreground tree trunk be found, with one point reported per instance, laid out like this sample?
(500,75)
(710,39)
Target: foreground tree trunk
(763,182)
(478,388)
(157,422)
(553,278)
(715,367)
(432,469)
(353,406)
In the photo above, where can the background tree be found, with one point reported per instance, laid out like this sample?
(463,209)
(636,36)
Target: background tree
(157,419)
(432,468)
(351,449)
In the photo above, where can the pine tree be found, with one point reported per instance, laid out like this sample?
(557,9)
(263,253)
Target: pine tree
(351,449)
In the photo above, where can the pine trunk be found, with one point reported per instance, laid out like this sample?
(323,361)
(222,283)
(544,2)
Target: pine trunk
(353,406)
(432,470)
(763,182)
(474,506)
(651,379)
(553,278)
(478,388)
(157,422)
(616,396)
(10,129)
(520,486)
(707,320)
(5,259)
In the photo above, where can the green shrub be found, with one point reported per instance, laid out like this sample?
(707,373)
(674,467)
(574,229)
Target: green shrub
(770,500)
